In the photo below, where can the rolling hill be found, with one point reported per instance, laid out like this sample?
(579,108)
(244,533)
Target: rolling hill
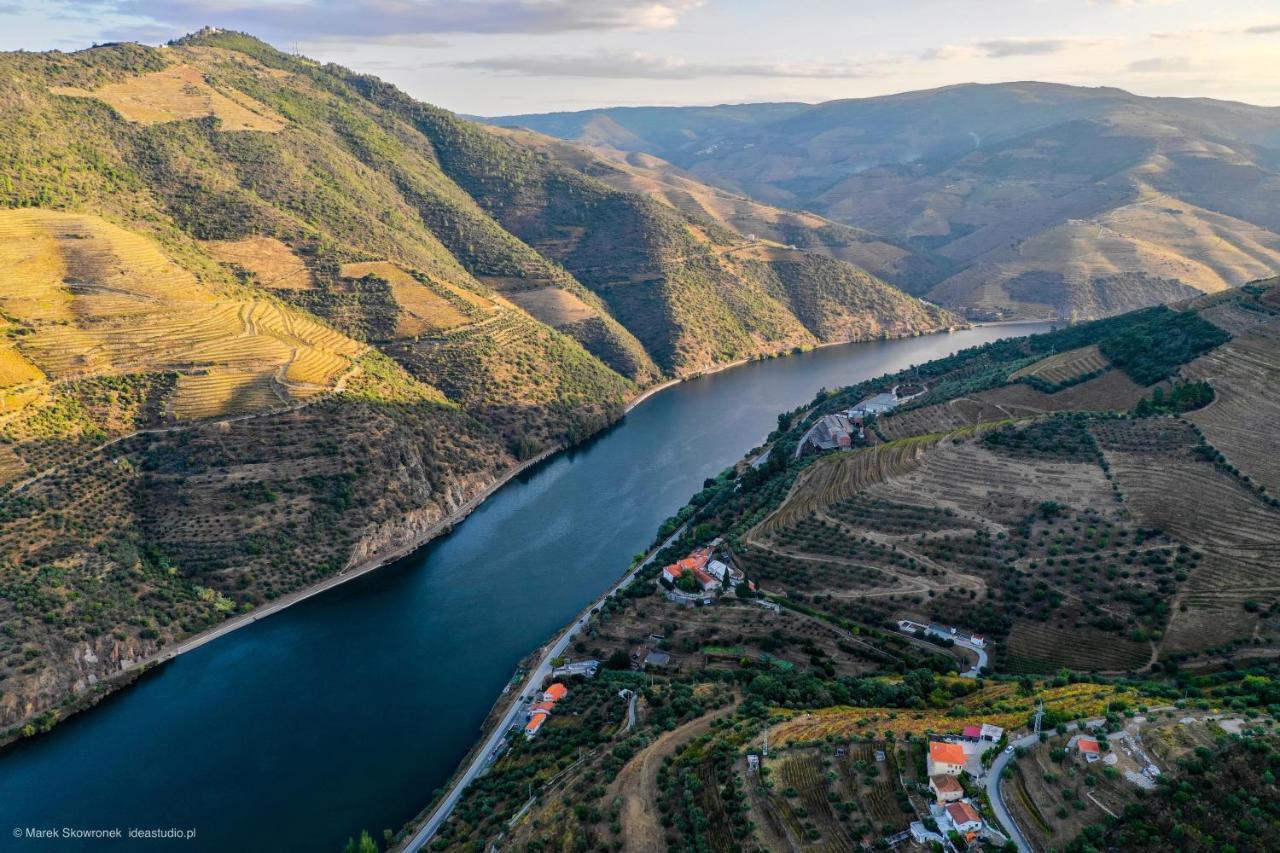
(267,321)
(1034,199)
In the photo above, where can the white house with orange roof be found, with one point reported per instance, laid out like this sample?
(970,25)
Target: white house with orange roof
(945,759)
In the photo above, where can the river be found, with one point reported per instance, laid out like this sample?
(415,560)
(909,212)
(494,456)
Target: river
(348,709)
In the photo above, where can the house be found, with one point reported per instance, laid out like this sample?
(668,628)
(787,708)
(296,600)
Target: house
(965,818)
(945,758)
(555,692)
(946,788)
(706,582)
(718,570)
(658,659)
(531,728)
(696,563)
(991,733)
(832,432)
(638,656)
(541,708)
(971,732)
(1089,749)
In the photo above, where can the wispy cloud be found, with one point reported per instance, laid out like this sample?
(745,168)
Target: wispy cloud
(636,64)
(1263,29)
(1164,65)
(1001,48)
(372,19)
(1006,47)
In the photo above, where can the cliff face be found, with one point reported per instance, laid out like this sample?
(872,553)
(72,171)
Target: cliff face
(265,320)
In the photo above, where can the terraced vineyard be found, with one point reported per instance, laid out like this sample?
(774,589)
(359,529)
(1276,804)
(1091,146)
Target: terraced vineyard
(1244,374)
(1065,366)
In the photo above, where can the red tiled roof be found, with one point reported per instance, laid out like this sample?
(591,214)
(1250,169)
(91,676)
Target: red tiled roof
(946,753)
(945,784)
(556,692)
(963,813)
(1087,744)
(542,708)
(536,723)
(703,577)
(972,731)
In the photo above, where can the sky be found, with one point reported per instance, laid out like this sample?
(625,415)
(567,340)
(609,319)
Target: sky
(500,57)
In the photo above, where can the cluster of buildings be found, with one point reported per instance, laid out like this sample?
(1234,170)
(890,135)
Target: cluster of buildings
(709,576)
(946,760)
(838,431)
(944,632)
(541,710)
(834,432)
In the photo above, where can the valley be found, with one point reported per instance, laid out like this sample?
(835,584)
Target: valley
(1002,200)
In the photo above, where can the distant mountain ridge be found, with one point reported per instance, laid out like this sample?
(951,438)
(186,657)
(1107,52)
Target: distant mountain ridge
(1037,199)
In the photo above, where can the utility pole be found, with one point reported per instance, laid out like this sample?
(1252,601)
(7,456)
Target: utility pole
(766,740)
(1039,715)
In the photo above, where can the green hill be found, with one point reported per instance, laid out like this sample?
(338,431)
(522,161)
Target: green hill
(267,319)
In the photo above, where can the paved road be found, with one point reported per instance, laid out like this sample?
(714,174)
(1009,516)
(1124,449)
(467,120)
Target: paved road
(997,801)
(532,683)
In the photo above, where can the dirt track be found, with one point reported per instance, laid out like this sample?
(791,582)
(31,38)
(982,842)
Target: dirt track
(637,784)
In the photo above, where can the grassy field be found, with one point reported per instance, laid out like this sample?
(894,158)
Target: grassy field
(273,264)
(178,93)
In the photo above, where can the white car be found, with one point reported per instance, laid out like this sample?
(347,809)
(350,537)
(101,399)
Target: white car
(1008,750)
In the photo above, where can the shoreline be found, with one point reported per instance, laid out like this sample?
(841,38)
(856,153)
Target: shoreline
(124,678)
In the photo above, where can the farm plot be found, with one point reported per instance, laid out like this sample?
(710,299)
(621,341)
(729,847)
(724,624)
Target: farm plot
(1245,375)
(1112,391)
(272,263)
(994,489)
(803,803)
(1214,514)
(1039,648)
(99,300)
(177,93)
(553,305)
(842,475)
(1065,366)
(422,310)
(1233,316)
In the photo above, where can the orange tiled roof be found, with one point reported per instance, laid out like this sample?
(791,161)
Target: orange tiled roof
(542,708)
(1087,744)
(556,692)
(536,723)
(946,753)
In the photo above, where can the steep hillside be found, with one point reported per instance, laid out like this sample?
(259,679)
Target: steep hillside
(1045,200)
(267,322)
(1063,497)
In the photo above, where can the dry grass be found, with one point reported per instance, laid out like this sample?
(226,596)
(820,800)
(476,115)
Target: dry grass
(1065,365)
(272,262)
(15,370)
(99,300)
(422,310)
(178,93)
(553,306)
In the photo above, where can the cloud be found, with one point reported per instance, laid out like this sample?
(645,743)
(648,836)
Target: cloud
(375,19)
(1001,48)
(1163,65)
(1262,29)
(1006,47)
(635,64)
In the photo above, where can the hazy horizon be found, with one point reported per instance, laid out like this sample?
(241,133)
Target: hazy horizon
(499,57)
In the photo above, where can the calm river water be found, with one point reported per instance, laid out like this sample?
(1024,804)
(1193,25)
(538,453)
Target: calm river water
(347,710)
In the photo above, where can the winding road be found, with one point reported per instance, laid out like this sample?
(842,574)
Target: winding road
(484,755)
